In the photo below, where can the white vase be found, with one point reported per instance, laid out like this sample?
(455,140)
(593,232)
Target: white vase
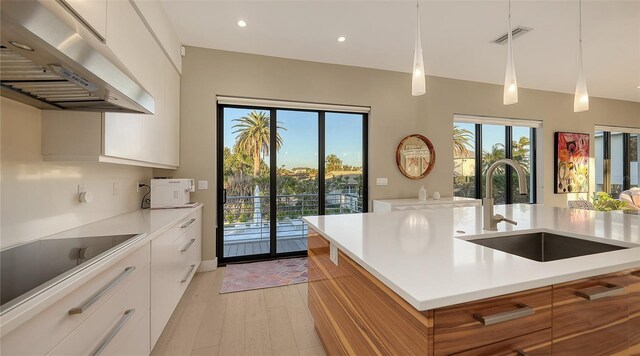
(422,194)
(436,195)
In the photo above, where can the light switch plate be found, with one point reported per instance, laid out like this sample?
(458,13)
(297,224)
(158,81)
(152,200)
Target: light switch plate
(203,184)
(333,253)
(382,181)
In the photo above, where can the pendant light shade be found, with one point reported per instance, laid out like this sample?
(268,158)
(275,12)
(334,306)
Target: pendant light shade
(581,98)
(418,84)
(510,95)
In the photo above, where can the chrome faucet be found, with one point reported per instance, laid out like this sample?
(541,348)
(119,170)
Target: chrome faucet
(491,221)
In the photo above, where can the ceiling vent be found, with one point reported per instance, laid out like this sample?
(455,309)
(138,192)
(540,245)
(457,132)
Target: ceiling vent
(516,32)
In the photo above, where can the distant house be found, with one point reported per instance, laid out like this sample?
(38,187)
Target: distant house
(464,166)
(346,196)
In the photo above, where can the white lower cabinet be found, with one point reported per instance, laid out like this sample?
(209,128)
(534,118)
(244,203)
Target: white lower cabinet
(40,334)
(124,308)
(107,331)
(175,257)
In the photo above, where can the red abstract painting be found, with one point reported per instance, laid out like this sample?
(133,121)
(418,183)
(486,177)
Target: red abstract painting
(572,162)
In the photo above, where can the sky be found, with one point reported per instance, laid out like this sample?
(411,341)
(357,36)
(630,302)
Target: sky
(343,134)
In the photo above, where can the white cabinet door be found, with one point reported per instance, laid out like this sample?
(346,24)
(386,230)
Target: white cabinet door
(92,12)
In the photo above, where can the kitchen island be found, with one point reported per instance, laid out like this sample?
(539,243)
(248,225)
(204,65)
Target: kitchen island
(412,283)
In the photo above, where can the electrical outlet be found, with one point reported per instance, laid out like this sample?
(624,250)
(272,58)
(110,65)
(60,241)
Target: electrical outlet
(203,184)
(138,187)
(116,188)
(81,188)
(382,181)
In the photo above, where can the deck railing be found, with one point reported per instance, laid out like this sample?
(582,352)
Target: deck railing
(248,217)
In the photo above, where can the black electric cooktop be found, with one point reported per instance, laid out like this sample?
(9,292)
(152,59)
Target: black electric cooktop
(27,269)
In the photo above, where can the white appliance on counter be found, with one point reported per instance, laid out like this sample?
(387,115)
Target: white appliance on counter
(171,193)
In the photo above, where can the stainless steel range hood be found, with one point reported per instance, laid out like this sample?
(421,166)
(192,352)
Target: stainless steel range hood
(50,60)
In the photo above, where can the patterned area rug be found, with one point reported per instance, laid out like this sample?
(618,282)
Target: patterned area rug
(265,274)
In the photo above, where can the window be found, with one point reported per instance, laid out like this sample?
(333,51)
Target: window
(278,164)
(476,146)
(616,157)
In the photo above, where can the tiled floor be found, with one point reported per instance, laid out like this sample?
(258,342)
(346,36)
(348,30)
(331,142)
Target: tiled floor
(265,274)
(232,249)
(273,321)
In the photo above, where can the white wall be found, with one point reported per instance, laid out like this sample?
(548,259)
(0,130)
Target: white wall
(39,198)
(394,114)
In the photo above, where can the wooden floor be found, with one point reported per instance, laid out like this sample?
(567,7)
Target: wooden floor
(254,248)
(273,321)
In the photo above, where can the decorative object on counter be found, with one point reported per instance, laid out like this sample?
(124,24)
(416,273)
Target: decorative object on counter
(267,274)
(418,83)
(604,202)
(415,156)
(632,197)
(422,194)
(436,195)
(581,98)
(510,94)
(571,172)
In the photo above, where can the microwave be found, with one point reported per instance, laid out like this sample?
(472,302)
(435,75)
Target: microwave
(171,193)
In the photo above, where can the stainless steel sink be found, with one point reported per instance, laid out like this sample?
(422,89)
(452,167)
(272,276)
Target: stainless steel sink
(545,247)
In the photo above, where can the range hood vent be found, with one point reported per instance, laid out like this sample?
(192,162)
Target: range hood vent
(49,60)
(516,32)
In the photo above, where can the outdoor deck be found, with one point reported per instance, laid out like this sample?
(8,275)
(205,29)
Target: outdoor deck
(257,247)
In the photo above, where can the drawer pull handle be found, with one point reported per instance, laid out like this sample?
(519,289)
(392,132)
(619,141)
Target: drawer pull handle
(599,292)
(105,342)
(187,246)
(521,312)
(185,225)
(114,282)
(186,276)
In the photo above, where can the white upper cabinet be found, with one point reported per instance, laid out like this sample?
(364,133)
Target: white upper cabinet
(137,139)
(92,12)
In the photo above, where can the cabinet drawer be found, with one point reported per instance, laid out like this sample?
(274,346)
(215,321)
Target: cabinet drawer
(109,329)
(180,228)
(475,324)
(534,344)
(174,259)
(40,334)
(590,316)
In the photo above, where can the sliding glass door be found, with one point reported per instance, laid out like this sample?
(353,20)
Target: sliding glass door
(276,166)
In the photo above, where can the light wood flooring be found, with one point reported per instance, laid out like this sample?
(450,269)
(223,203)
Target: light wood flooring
(273,321)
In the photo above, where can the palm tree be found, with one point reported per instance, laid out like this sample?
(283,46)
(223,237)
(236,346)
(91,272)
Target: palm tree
(254,137)
(488,158)
(521,152)
(462,139)
(334,163)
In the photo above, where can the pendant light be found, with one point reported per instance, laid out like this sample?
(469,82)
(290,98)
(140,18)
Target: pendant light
(418,85)
(581,98)
(510,95)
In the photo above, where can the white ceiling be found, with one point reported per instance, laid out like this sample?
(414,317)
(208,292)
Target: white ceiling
(456,37)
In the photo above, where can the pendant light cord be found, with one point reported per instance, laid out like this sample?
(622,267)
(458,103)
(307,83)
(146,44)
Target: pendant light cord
(580,24)
(510,33)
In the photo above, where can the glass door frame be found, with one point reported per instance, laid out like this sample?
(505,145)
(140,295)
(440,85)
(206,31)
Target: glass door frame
(221,193)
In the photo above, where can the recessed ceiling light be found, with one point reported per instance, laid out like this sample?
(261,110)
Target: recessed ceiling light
(241,23)
(21,45)
(342,39)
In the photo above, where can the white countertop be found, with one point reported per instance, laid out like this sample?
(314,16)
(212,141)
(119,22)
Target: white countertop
(421,255)
(147,221)
(414,201)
